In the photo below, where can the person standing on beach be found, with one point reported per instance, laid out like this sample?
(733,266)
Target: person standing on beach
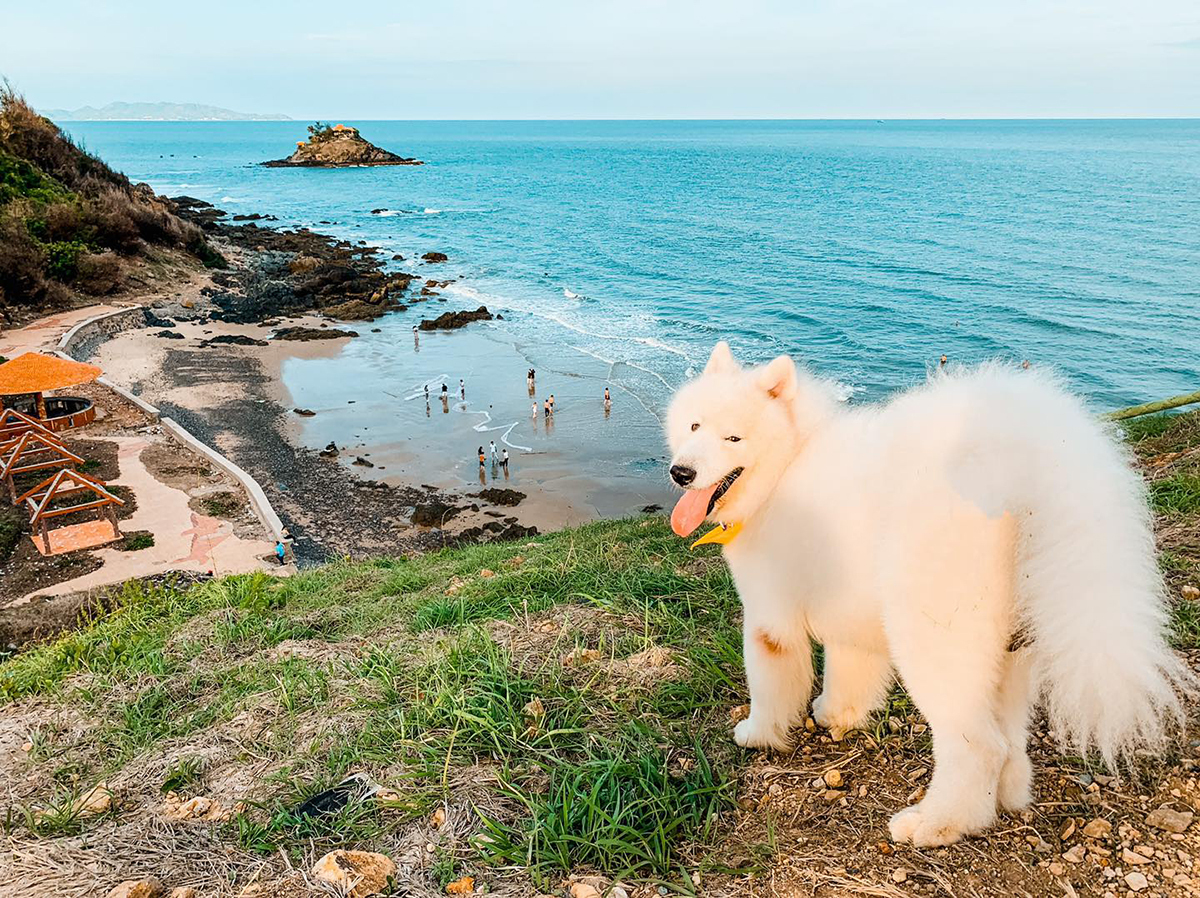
(504,462)
(493,445)
(548,409)
(529,381)
(462,388)
(607,399)
(533,410)
(482,459)
(416,337)
(445,391)
(551,403)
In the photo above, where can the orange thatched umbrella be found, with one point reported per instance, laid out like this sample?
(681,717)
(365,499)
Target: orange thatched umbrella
(36,373)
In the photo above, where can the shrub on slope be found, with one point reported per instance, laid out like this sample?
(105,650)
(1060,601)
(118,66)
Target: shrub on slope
(67,219)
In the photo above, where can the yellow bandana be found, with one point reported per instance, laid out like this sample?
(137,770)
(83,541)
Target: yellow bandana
(722,534)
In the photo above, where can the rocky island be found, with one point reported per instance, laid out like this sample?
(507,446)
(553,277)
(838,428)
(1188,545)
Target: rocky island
(338,146)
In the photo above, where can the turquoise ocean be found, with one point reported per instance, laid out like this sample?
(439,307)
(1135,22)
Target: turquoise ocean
(618,252)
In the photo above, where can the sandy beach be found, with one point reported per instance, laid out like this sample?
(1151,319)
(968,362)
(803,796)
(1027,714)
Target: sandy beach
(242,399)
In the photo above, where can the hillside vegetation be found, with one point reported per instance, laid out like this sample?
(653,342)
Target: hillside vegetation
(69,224)
(542,715)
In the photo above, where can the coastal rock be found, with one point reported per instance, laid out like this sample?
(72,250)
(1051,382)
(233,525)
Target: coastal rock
(338,146)
(453,320)
(153,320)
(255,216)
(435,257)
(233,340)
(433,513)
(500,496)
(330,451)
(362,462)
(304,412)
(169,335)
(312,333)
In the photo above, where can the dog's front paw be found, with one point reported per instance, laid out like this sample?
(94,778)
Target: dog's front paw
(839,719)
(751,733)
(929,826)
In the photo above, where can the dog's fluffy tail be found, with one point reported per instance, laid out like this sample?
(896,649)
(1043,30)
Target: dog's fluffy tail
(1091,601)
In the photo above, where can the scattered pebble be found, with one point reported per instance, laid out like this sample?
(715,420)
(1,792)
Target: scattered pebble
(1130,856)
(833,778)
(1097,829)
(1169,819)
(899,875)
(1074,855)
(1136,880)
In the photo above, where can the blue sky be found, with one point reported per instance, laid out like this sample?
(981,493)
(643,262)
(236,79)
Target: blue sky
(616,59)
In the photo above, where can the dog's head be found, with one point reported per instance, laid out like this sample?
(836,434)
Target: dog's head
(732,432)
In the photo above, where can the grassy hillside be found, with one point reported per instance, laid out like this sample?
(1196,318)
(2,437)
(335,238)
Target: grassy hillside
(559,706)
(69,224)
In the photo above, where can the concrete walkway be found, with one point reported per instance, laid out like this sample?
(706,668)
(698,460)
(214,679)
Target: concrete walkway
(43,335)
(183,539)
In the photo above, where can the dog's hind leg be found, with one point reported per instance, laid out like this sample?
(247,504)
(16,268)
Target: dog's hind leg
(857,680)
(779,672)
(954,681)
(1014,706)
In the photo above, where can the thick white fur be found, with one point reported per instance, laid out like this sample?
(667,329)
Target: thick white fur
(924,537)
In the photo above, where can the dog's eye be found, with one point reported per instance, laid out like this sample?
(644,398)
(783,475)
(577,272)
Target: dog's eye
(695,427)
(734,439)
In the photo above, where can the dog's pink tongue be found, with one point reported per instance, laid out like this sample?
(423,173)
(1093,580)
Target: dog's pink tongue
(691,510)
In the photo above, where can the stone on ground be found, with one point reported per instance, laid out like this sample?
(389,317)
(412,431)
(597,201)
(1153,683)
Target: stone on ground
(357,873)
(148,887)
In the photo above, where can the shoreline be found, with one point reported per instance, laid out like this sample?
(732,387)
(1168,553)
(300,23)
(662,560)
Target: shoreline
(374,496)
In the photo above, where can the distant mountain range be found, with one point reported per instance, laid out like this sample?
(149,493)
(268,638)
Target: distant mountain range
(158,112)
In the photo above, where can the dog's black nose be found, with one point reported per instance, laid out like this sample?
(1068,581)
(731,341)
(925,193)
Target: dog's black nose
(682,475)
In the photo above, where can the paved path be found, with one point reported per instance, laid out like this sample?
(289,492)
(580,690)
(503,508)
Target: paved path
(43,335)
(183,539)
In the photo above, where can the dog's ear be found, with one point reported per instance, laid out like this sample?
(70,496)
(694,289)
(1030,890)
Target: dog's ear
(721,360)
(778,378)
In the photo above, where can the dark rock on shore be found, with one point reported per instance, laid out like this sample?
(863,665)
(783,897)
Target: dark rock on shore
(312,333)
(494,531)
(255,216)
(304,412)
(289,272)
(362,462)
(499,496)
(233,340)
(206,215)
(169,335)
(338,146)
(435,257)
(433,513)
(453,320)
(330,451)
(153,320)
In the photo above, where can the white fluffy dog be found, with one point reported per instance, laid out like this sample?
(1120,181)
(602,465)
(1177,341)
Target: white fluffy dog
(983,536)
